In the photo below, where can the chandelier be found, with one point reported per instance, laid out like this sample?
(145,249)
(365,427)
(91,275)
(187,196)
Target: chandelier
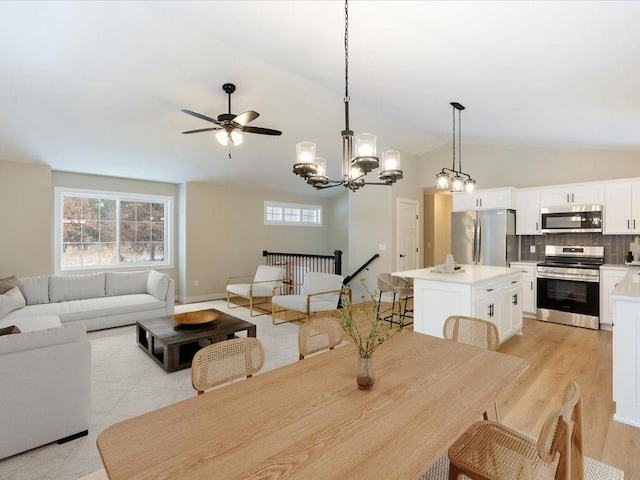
(458,180)
(354,167)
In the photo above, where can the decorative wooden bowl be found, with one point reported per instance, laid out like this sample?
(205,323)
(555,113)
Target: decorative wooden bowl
(195,318)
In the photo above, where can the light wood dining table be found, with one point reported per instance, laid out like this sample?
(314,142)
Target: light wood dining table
(308,420)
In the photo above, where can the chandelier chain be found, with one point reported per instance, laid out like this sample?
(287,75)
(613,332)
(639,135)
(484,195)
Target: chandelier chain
(460,139)
(454,139)
(346,51)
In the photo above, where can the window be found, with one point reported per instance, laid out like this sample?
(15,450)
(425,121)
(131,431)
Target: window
(106,229)
(292,214)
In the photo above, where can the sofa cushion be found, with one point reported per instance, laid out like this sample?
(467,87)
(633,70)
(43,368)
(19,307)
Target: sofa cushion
(76,287)
(36,289)
(29,323)
(158,284)
(72,332)
(10,301)
(8,283)
(126,283)
(88,308)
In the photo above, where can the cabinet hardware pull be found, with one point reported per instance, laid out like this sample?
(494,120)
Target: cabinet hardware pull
(567,198)
(572,198)
(536,226)
(531,285)
(515,299)
(490,289)
(514,281)
(628,224)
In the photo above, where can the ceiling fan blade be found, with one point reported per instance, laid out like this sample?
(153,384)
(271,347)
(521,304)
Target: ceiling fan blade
(246,117)
(199,115)
(202,130)
(262,131)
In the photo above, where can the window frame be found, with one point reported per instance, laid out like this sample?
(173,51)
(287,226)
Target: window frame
(293,223)
(60,192)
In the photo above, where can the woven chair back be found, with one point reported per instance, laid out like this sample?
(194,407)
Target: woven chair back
(471,331)
(562,434)
(225,361)
(319,334)
(398,285)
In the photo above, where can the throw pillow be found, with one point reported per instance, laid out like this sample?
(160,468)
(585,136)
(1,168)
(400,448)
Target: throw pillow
(10,301)
(8,283)
(36,289)
(9,330)
(158,284)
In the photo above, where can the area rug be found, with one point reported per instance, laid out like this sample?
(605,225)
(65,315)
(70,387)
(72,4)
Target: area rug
(593,470)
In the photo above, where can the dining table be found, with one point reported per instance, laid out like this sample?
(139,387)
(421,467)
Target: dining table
(309,420)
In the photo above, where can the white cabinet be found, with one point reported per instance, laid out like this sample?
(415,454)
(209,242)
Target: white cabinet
(483,199)
(528,212)
(622,208)
(610,276)
(572,195)
(528,287)
(501,304)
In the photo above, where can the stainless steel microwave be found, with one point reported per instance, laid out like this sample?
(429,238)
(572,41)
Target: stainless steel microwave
(571,219)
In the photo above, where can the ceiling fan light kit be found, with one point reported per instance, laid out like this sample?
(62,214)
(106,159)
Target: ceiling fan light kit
(450,177)
(230,127)
(354,167)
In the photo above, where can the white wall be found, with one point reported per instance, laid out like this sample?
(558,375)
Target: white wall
(25,219)
(501,166)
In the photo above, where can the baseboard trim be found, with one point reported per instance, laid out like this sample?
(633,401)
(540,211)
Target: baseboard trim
(84,433)
(202,298)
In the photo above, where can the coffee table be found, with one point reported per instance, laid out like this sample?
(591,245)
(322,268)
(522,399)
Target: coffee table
(173,346)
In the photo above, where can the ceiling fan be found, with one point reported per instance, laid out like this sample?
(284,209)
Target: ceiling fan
(229,126)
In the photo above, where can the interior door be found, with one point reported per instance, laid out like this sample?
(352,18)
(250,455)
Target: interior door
(407,235)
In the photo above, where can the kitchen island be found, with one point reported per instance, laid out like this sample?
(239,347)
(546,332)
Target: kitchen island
(490,293)
(626,348)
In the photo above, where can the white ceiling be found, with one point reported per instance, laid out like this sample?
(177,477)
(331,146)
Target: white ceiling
(97,87)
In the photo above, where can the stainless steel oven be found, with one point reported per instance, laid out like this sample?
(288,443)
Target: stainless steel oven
(569,286)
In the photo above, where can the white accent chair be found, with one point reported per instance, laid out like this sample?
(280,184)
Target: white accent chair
(320,292)
(265,281)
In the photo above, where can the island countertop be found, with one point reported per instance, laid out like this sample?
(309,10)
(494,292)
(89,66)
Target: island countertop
(469,274)
(629,287)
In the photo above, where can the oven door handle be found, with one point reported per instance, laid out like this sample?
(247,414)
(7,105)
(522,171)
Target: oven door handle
(566,276)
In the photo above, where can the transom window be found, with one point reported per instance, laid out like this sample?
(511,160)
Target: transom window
(292,214)
(107,229)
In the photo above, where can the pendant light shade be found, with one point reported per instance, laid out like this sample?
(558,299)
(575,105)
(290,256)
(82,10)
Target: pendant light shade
(451,178)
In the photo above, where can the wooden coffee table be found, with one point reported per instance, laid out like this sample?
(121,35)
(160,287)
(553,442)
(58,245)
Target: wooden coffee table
(173,346)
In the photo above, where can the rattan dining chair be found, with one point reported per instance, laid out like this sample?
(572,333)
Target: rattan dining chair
(491,451)
(224,361)
(476,332)
(319,334)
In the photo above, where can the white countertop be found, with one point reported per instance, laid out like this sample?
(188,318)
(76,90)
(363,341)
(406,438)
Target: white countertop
(614,266)
(468,274)
(629,287)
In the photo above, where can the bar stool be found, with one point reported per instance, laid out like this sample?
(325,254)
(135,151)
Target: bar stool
(401,290)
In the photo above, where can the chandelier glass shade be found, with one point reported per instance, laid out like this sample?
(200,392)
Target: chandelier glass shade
(359,155)
(455,179)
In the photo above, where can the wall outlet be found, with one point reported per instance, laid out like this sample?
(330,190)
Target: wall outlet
(532,249)
(197,283)
(382,246)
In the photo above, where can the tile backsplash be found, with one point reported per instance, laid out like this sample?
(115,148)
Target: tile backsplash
(615,246)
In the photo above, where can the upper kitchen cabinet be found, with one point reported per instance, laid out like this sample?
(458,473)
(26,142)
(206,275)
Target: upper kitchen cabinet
(528,212)
(621,208)
(572,195)
(490,199)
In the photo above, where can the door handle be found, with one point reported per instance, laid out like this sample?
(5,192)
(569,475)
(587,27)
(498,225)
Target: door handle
(402,256)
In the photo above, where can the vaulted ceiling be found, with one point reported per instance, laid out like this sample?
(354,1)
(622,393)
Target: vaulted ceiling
(97,87)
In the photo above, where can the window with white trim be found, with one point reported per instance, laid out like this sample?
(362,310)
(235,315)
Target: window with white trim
(277,213)
(95,229)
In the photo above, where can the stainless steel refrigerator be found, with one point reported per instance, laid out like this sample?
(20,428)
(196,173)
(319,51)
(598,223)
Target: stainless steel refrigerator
(486,237)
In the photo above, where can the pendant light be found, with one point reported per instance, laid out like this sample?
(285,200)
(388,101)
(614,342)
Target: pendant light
(456,180)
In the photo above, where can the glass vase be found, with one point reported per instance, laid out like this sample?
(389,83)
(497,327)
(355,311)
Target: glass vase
(365,376)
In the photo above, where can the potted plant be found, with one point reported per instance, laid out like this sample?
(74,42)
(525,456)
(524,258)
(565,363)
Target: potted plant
(365,343)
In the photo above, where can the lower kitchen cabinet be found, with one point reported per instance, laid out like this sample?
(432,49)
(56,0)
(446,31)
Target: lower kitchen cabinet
(610,276)
(528,287)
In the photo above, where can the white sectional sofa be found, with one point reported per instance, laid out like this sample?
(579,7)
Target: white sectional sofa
(45,370)
(99,300)
(45,378)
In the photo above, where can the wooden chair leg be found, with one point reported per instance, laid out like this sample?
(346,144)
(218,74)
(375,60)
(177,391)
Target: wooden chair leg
(300,357)
(454,472)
